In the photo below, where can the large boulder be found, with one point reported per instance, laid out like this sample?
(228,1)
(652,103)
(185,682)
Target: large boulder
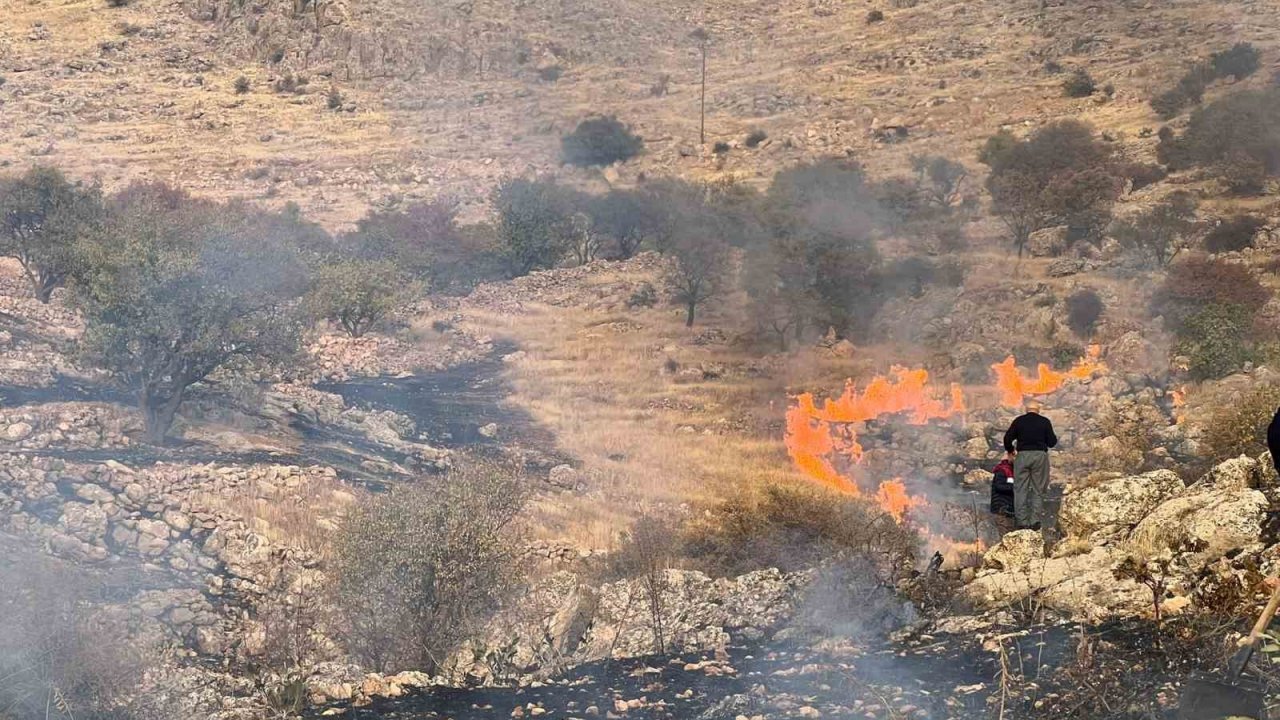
(1015,551)
(1081,585)
(1111,508)
(1222,519)
(1049,242)
(1241,473)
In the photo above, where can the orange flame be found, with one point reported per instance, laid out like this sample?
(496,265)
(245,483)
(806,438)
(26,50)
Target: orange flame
(1179,395)
(894,499)
(1014,386)
(817,438)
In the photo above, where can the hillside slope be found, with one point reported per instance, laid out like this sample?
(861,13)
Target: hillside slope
(446,99)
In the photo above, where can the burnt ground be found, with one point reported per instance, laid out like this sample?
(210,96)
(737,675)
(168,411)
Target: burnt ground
(449,408)
(1055,671)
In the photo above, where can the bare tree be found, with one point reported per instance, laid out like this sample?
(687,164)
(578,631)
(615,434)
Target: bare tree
(700,264)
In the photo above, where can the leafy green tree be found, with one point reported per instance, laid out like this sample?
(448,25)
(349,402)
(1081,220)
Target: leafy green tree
(1215,340)
(535,224)
(699,250)
(43,218)
(1237,136)
(600,141)
(1060,175)
(418,238)
(179,288)
(358,294)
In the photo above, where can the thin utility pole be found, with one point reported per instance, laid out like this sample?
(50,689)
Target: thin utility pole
(702,37)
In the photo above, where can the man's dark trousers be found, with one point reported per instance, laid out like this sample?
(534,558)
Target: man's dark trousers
(1030,485)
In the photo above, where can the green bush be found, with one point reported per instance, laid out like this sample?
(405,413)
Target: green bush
(875,16)
(1240,427)
(358,294)
(1080,84)
(416,570)
(1084,309)
(1233,233)
(1240,61)
(600,141)
(334,99)
(535,223)
(1214,341)
(755,137)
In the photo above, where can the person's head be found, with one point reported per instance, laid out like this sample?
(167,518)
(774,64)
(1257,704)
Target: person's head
(1034,406)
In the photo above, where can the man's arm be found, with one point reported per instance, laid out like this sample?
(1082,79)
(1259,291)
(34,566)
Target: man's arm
(1010,435)
(1053,439)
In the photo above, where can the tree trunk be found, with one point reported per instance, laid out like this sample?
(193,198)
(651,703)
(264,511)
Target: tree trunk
(158,414)
(688,321)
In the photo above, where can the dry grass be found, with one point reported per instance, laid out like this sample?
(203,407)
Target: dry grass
(304,517)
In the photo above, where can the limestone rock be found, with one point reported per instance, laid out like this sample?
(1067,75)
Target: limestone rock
(1225,519)
(1016,550)
(1241,473)
(1113,507)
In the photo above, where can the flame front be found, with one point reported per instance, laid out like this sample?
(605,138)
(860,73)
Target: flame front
(820,439)
(894,499)
(1014,386)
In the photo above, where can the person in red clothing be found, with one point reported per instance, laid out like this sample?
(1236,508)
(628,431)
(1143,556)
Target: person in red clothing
(1002,488)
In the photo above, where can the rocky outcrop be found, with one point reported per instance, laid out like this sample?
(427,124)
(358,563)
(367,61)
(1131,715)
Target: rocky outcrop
(1142,518)
(562,621)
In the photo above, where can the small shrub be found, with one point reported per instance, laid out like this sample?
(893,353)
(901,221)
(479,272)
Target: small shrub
(1238,62)
(1169,103)
(1233,233)
(276,56)
(242,85)
(334,100)
(1053,67)
(645,296)
(600,141)
(660,86)
(550,73)
(903,4)
(118,3)
(1080,84)
(1084,309)
(286,84)
(755,137)
(720,148)
(415,571)
(875,16)
(1240,427)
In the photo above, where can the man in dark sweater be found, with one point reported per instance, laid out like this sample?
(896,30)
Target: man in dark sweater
(1028,441)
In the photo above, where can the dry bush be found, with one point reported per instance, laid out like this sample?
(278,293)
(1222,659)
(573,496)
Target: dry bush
(647,551)
(1198,281)
(1084,309)
(61,655)
(1241,427)
(1233,233)
(416,570)
(794,528)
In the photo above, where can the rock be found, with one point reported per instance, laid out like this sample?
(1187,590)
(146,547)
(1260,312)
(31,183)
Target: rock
(1016,550)
(564,476)
(1268,479)
(1081,585)
(1063,267)
(94,494)
(1241,473)
(1224,519)
(1049,242)
(1113,507)
(976,448)
(489,431)
(18,431)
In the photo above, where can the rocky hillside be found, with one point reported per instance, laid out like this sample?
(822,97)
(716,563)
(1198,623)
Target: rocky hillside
(436,99)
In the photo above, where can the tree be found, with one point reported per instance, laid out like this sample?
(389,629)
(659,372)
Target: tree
(940,179)
(43,217)
(535,224)
(627,218)
(357,294)
(700,260)
(417,238)
(179,288)
(1060,175)
(1238,136)
(416,570)
(1163,231)
(600,141)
